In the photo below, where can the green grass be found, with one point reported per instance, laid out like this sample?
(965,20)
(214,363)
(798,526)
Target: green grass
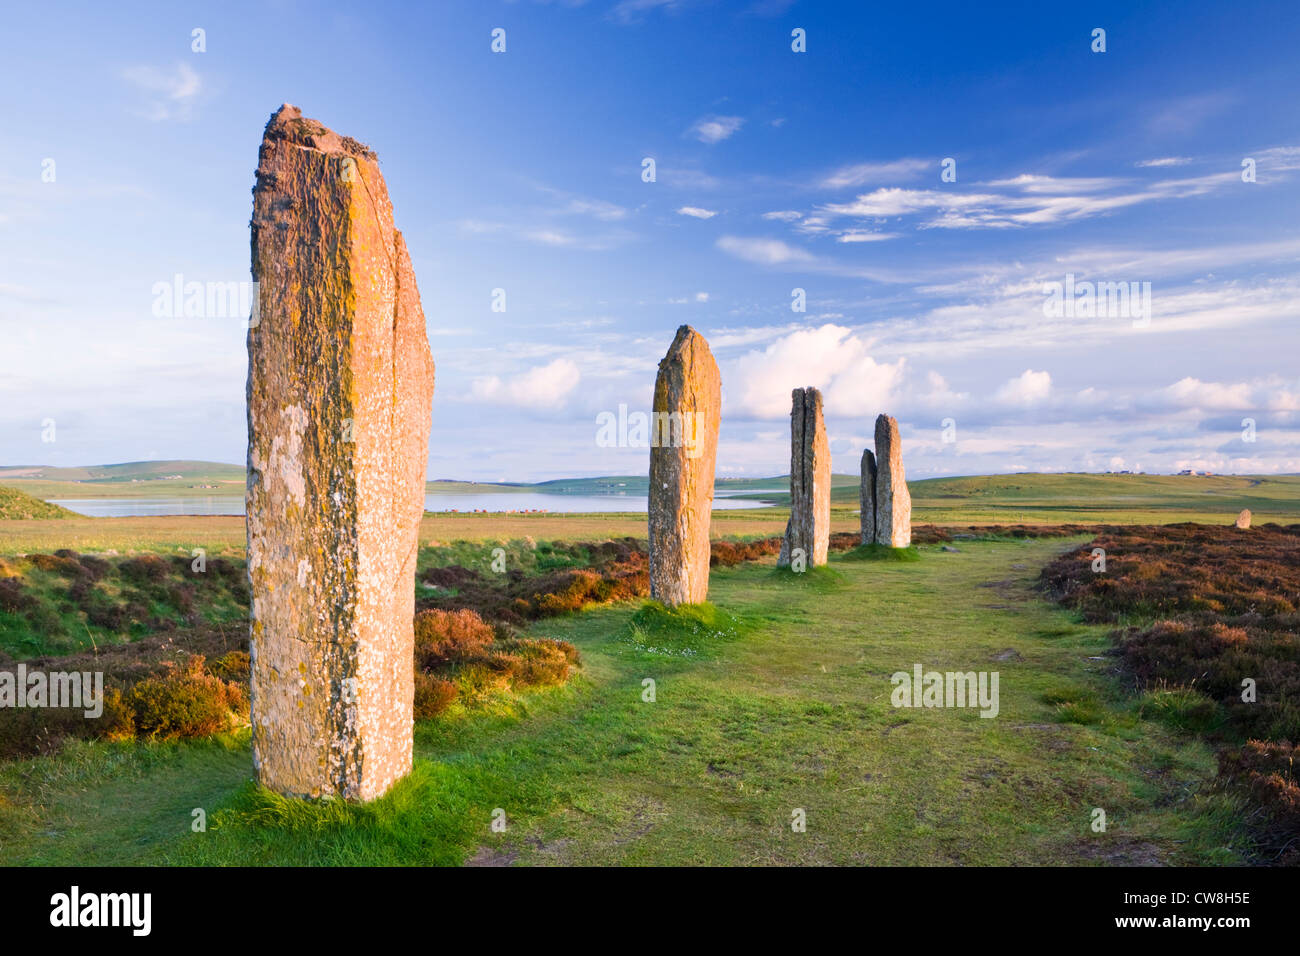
(784,706)
(988,499)
(16,505)
(1108,499)
(132,479)
(881,552)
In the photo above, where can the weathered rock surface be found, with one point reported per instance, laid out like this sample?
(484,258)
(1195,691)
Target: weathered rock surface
(1243,519)
(683,457)
(893,503)
(867,497)
(809,528)
(340,382)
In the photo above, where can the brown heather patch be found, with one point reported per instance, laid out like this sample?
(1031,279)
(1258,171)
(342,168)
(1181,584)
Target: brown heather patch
(1267,771)
(1205,607)
(466,643)
(458,655)
(222,658)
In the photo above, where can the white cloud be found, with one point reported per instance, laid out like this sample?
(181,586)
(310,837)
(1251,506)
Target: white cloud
(1029,388)
(545,386)
(783,215)
(631,11)
(1030,199)
(547,235)
(714,129)
(857,235)
(830,358)
(167,93)
(696,212)
(596,208)
(1272,394)
(861,174)
(1056,185)
(1165,161)
(767,252)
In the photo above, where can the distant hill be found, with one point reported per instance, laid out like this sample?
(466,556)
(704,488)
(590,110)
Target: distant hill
(1041,498)
(127,479)
(1122,499)
(15,504)
(637,485)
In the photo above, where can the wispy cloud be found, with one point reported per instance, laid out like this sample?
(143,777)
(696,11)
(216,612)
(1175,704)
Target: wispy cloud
(633,11)
(546,235)
(167,94)
(863,174)
(1188,113)
(714,129)
(1026,200)
(696,212)
(546,385)
(767,252)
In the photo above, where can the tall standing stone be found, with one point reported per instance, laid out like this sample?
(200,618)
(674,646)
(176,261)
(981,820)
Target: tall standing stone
(809,528)
(867,497)
(340,382)
(893,503)
(683,457)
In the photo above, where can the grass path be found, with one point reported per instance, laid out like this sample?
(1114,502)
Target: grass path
(792,713)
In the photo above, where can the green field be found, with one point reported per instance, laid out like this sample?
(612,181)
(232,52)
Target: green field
(989,499)
(790,712)
(793,713)
(1104,499)
(17,505)
(205,478)
(136,479)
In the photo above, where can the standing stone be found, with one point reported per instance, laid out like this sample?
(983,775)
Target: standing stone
(340,382)
(809,527)
(893,503)
(867,497)
(683,455)
(1243,519)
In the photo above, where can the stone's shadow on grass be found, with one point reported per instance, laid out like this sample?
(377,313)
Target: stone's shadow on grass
(689,631)
(881,552)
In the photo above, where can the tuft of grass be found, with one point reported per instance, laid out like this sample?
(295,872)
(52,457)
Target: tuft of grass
(1079,712)
(18,505)
(1183,708)
(823,578)
(687,630)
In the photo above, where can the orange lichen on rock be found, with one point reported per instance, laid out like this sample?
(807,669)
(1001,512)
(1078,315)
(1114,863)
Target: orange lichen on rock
(340,383)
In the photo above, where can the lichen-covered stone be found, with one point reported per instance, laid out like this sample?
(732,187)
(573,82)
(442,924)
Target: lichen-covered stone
(683,456)
(340,382)
(867,498)
(893,502)
(1243,519)
(809,527)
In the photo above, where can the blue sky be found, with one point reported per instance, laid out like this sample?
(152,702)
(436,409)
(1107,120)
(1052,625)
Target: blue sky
(775,170)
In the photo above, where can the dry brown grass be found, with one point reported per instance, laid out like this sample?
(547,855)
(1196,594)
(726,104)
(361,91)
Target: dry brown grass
(1206,610)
